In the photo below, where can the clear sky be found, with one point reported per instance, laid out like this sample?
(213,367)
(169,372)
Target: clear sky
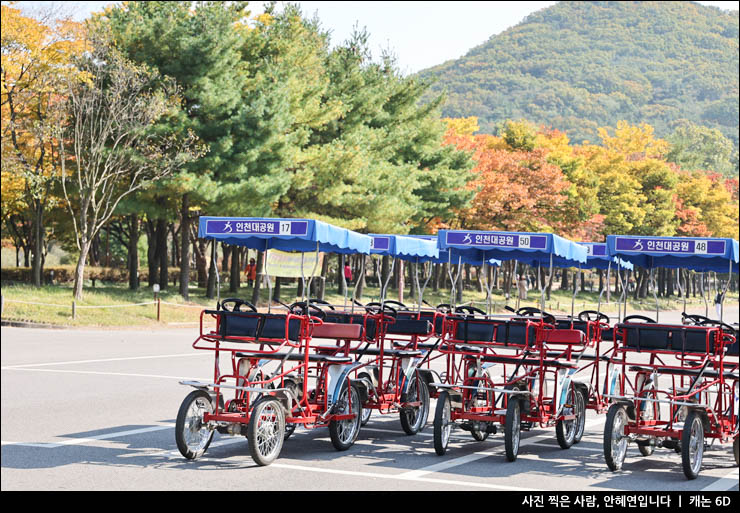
(419,34)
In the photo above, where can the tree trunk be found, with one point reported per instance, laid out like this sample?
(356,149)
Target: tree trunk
(133,252)
(226,251)
(361,277)
(80,269)
(235,268)
(412,272)
(341,285)
(400,276)
(151,252)
(38,242)
(185,246)
(258,281)
(162,252)
(212,270)
(564,280)
(201,263)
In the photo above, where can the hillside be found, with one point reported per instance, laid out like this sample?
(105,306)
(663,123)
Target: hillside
(577,66)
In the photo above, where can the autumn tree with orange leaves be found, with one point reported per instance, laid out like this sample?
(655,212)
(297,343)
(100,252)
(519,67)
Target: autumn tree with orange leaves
(36,59)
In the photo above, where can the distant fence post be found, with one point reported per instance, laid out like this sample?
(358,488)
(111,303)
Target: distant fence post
(159,305)
(2,304)
(74,310)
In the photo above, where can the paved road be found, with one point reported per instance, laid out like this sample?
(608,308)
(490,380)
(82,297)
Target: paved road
(95,410)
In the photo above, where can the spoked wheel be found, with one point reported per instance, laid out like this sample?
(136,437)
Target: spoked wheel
(615,441)
(651,412)
(343,433)
(442,423)
(513,427)
(366,412)
(191,434)
(365,417)
(566,430)
(413,419)
(266,430)
(692,445)
(293,387)
(582,424)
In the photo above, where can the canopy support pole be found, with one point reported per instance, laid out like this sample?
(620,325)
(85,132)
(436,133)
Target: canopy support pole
(269,283)
(453,287)
(651,281)
(513,278)
(215,266)
(575,292)
(489,287)
(608,269)
(680,288)
(704,295)
(357,284)
(623,296)
(416,280)
(310,278)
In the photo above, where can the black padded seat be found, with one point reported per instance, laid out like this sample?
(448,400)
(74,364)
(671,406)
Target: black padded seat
(476,330)
(410,327)
(518,333)
(297,357)
(256,325)
(683,372)
(680,339)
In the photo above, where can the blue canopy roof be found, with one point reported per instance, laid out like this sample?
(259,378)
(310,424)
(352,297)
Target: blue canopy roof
(283,234)
(411,248)
(470,256)
(530,248)
(597,257)
(697,253)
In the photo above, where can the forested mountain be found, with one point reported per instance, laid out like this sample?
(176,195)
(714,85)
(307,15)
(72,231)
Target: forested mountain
(577,66)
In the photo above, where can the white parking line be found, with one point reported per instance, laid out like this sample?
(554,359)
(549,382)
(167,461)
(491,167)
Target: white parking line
(401,477)
(78,441)
(723,483)
(109,374)
(102,360)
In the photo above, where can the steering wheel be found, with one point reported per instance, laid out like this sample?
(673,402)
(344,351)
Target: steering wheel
(238,303)
(638,317)
(530,311)
(469,309)
(598,316)
(696,319)
(321,302)
(301,309)
(374,307)
(400,305)
(723,325)
(444,308)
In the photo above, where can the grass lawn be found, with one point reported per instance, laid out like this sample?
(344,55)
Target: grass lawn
(54,303)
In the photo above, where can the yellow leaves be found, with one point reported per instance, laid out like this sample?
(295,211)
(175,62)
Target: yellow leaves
(634,142)
(264,19)
(462,127)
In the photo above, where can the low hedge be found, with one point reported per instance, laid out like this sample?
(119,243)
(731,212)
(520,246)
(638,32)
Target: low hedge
(66,274)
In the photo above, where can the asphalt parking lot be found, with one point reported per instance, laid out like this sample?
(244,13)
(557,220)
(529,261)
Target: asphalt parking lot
(95,410)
